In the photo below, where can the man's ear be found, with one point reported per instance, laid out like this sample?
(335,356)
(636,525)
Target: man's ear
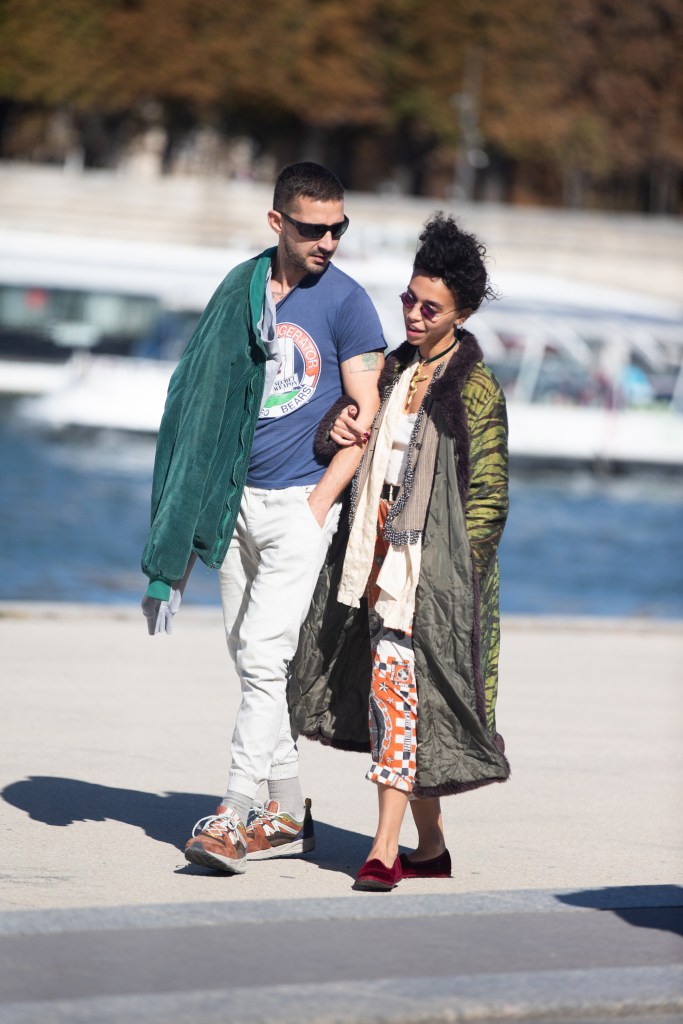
(275,221)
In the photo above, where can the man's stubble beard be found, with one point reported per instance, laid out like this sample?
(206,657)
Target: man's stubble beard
(299,262)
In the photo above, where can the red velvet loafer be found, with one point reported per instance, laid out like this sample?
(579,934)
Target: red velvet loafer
(437,867)
(376,877)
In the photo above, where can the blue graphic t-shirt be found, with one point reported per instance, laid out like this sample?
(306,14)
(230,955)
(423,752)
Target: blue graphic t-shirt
(321,323)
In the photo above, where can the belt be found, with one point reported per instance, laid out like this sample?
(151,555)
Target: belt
(390,492)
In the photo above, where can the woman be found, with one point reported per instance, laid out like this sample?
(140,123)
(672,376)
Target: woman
(405,614)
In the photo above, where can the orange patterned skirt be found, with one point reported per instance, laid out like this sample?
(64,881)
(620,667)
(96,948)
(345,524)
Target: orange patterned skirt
(393,692)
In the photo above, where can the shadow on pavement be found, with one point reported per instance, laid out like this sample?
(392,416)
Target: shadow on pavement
(165,817)
(643,906)
(339,850)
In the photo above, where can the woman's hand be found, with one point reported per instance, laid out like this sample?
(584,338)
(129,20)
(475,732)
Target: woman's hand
(344,430)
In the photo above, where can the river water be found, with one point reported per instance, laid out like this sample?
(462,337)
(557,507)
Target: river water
(74,513)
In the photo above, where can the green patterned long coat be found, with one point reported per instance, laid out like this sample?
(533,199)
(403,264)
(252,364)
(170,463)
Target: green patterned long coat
(456,629)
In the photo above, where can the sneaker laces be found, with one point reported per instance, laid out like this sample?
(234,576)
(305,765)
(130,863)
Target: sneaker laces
(217,825)
(257,810)
(276,822)
(258,813)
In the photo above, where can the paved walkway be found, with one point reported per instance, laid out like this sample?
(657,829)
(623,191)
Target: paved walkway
(568,880)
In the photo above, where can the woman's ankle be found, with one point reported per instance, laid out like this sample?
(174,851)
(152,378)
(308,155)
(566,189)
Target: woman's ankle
(428,849)
(386,854)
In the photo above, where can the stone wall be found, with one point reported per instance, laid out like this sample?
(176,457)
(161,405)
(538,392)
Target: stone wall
(643,254)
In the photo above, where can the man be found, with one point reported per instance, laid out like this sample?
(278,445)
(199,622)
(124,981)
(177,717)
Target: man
(237,483)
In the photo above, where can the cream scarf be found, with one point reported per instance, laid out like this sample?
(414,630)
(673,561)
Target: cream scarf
(400,572)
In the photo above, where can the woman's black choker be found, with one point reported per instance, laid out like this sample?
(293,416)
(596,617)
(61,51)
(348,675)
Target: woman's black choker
(419,377)
(432,359)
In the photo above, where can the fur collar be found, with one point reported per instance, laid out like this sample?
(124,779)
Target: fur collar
(449,387)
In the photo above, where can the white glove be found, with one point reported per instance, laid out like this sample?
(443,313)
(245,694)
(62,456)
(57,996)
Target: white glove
(162,601)
(159,614)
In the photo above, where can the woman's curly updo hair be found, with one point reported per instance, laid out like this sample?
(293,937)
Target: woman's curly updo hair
(447,252)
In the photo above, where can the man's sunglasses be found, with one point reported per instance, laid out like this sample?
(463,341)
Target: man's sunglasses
(314,232)
(427,312)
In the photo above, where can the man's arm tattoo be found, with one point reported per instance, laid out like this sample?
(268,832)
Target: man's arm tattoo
(366,361)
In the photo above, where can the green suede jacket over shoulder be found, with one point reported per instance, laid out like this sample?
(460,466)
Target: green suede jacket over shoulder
(456,635)
(207,429)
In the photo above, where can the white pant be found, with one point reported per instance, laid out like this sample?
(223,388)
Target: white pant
(267,582)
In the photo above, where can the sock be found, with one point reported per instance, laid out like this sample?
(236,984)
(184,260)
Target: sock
(287,792)
(238,802)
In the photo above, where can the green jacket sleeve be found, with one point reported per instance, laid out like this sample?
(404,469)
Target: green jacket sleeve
(191,424)
(487,502)
(187,441)
(204,408)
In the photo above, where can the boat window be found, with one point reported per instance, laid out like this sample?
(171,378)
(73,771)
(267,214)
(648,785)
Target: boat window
(34,320)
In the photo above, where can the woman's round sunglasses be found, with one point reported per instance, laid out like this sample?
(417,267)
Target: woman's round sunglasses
(314,232)
(427,312)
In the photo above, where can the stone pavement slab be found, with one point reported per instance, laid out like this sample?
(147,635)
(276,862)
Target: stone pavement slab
(640,996)
(515,955)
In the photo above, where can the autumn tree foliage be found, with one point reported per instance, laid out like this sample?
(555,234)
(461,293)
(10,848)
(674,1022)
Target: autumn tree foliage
(577,102)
